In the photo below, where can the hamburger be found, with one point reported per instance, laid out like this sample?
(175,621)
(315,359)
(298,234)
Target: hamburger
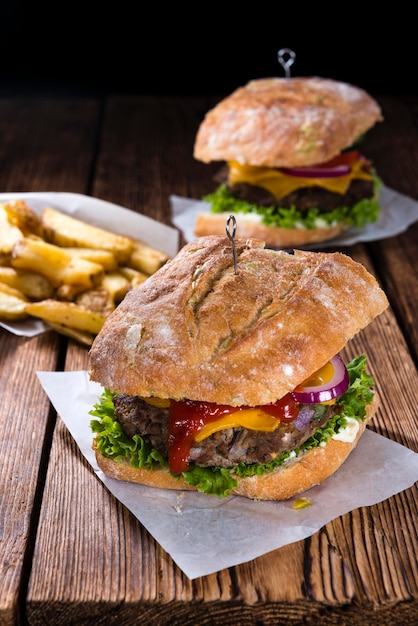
(222,372)
(293,173)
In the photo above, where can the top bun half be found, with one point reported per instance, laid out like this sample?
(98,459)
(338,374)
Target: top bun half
(286,122)
(196,329)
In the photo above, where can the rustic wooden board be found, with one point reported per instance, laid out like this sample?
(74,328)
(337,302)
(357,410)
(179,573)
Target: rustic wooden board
(47,144)
(100,563)
(70,552)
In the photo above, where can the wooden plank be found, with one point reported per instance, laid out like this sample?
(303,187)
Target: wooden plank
(46,145)
(150,155)
(393,148)
(396,260)
(26,432)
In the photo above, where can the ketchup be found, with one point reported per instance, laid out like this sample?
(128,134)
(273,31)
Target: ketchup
(188,417)
(286,409)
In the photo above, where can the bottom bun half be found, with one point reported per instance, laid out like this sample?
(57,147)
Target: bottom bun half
(273,236)
(311,469)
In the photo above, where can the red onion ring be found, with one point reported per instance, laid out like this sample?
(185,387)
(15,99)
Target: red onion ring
(328,391)
(317,172)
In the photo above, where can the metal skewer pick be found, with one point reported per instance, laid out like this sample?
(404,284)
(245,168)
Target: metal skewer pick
(231,234)
(286,58)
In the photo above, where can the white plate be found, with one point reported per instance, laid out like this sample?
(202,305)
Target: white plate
(397,214)
(100,213)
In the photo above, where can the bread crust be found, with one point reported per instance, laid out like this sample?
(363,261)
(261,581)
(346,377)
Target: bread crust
(197,330)
(310,470)
(286,122)
(273,236)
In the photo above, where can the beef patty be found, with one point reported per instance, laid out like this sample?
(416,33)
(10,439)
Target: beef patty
(305,198)
(225,448)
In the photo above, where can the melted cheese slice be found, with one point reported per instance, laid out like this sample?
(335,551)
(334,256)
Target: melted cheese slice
(280,184)
(161,403)
(253,419)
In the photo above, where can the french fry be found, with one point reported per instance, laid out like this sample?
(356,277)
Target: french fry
(33,285)
(81,336)
(66,231)
(9,234)
(12,291)
(69,292)
(68,273)
(103,257)
(55,264)
(12,304)
(68,314)
(146,259)
(22,216)
(99,300)
(116,285)
(5,258)
(134,276)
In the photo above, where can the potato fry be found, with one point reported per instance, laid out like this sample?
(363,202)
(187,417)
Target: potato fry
(55,264)
(12,304)
(66,231)
(134,276)
(138,280)
(5,259)
(31,284)
(24,218)
(12,291)
(146,259)
(99,300)
(9,234)
(68,273)
(81,336)
(68,314)
(103,257)
(68,292)
(116,285)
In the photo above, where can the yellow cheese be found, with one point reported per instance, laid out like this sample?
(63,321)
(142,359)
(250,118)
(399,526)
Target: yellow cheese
(320,377)
(253,419)
(280,184)
(161,403)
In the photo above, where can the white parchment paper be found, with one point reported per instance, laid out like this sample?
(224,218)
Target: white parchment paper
(99,213)
(397,214)
(205,534)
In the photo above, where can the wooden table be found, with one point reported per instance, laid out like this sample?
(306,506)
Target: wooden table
(70,553)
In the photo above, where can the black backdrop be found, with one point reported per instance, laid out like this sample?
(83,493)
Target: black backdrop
(133,47)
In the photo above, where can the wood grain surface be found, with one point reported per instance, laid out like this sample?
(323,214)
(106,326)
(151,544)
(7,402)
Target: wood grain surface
(70,553)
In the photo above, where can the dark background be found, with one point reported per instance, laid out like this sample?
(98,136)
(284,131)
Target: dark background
(207,49)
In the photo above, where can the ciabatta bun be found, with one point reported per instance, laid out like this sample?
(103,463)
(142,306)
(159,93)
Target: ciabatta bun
(198,330)
(286,122)
(311,469)
(273,236)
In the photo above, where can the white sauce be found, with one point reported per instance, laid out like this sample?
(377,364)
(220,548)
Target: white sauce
(349,433)
(319,222)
